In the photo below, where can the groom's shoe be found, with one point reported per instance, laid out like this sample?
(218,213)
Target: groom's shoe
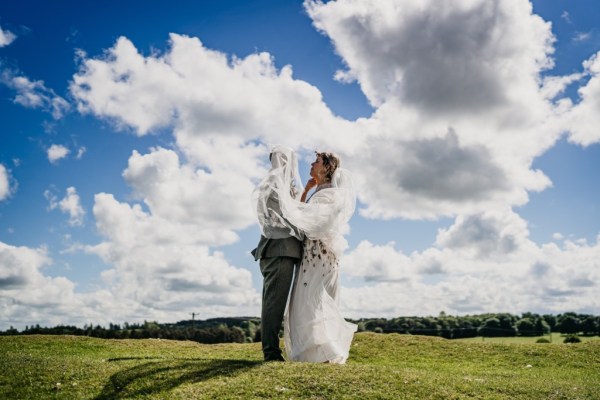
(277,357)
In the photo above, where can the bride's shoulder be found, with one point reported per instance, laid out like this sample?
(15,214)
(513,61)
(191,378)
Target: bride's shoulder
(323,193)
(324,186)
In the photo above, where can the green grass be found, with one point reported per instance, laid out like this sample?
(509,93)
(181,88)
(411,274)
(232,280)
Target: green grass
(555,338)
(380,367)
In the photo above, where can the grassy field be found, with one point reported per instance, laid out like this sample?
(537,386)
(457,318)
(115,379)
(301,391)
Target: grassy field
(380,367)
(553,338)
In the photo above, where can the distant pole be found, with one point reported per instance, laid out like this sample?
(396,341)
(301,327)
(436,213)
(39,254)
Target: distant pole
(193,316)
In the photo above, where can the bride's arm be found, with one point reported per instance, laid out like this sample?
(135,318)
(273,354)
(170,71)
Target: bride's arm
(309,185)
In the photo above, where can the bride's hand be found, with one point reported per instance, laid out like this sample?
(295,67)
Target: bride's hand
(310,184)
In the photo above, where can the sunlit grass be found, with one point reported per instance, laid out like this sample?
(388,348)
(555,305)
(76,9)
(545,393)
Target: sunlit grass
(380,366)
(555,338)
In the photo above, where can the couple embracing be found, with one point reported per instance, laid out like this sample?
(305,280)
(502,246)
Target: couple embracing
(299,252)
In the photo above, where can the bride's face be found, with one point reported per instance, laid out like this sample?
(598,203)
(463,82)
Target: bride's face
(317,169)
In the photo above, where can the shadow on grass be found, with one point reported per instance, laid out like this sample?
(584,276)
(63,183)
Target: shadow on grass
(162,376)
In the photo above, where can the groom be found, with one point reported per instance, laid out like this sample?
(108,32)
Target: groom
(277,259)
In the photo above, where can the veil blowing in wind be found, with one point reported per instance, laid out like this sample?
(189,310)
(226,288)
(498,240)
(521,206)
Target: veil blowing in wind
(280,188)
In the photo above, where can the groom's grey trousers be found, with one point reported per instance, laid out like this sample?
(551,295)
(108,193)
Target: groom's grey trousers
(277,259)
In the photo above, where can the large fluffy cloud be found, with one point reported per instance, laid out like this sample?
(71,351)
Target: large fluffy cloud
(428,160)
(164,267)
(160,257)
(455,56)
(462,110)
(203,93)
(224,112)
(213,204)
(483,262)
(27,295)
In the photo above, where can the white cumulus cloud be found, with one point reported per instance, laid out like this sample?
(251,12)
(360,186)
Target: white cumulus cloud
(70,204)
(461,109)
(27,295)
(583,120)
(57,152)
(483,262)
(453,56)
(34,94)
(6,37)
(5,187)
(215,203)
(164,265)
(434,157)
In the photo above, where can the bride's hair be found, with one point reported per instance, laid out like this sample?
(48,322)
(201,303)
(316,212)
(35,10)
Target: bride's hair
(331,162)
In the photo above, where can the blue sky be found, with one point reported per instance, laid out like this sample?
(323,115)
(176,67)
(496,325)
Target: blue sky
(131,139)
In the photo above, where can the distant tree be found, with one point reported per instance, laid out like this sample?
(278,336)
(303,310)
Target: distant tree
(371,324)
(589,326)
(10,331)
(551,321)
(258,336)
(542,327)
(569,324)
(237,335)
(490,328)
(532,326)
(220,334)
(467,327)
(151,325)
(526,327)
(249,329)
(361,327)
(507,324)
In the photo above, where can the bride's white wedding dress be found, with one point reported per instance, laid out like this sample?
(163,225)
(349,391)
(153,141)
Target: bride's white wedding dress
(315,331)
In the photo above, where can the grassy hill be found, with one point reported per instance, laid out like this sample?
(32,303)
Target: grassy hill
(380,367)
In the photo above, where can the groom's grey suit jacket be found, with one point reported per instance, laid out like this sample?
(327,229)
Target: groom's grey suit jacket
(288,247)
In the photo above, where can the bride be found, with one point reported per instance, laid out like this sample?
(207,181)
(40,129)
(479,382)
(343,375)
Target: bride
(314,329)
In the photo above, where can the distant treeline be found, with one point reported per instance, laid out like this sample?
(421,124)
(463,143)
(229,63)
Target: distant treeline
(247,329)
(215,330)
(486,325)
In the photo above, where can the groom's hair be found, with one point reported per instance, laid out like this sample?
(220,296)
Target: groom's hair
(330,161)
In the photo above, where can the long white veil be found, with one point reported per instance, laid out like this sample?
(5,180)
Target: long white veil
(324,217)
(327,213)
(281,185)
